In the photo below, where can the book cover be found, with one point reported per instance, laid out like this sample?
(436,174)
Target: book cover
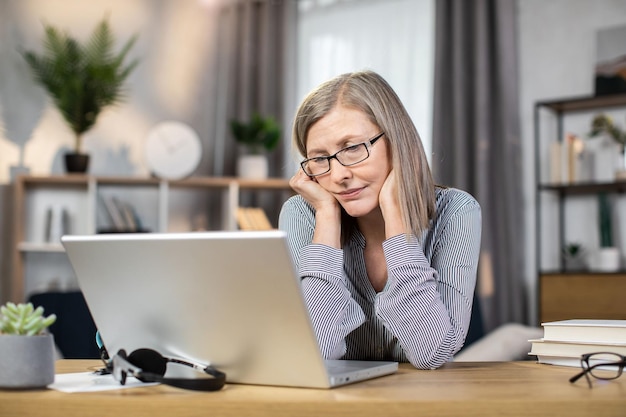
(558,360)
(115,215)
(127,215)
(556,163)
(572,349)
(586,330)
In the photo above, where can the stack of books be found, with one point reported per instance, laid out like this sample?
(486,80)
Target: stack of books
(565,341)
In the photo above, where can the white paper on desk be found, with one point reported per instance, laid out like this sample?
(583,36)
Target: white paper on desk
(90,382)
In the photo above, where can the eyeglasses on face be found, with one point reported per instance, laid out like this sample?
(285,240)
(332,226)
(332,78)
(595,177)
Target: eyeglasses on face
(348,156)
(600,365)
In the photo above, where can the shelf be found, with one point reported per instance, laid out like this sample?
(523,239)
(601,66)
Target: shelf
(564,293)
(40,247)
(63,180)
(584,103)
(220,197)
(581,273)
(586,187)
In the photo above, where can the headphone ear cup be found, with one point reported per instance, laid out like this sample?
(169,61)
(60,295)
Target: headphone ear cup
(149,361)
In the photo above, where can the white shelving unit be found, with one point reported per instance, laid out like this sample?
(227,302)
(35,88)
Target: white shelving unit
(160,203)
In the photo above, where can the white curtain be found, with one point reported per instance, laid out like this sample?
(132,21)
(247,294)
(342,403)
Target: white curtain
(392,37)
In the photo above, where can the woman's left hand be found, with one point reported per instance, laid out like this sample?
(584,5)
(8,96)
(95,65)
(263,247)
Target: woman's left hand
(388,197)
(390,206)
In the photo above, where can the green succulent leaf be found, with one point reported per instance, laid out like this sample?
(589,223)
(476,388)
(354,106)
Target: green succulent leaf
(604,221)
(24,319)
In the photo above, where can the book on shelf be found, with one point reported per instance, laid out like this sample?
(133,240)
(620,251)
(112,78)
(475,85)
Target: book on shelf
(126,213)
(114,214)
(569,160)
(586,330)
(123,216)
(252,218)
(57,223)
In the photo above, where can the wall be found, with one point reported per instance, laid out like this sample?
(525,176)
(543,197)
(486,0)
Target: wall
(174,81)
(171,81)
(557,55)
(557,51)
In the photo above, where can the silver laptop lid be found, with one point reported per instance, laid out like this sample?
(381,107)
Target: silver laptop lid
(231,299)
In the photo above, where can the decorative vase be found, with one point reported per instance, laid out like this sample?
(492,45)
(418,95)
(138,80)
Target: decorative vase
(252,167)
(606,155)
(15,170)
(77,163)
(620,175)
(575,264)
(605,260)
(26,362)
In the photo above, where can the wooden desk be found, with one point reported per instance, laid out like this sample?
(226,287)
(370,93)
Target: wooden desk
(467,389)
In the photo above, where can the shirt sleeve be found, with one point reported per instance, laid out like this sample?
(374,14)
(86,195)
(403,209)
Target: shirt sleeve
(334,313)
(427,305)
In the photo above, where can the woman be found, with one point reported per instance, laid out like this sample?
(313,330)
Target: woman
(387,259)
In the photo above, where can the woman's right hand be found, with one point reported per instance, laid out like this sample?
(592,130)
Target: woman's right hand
(327,208)
(312,192)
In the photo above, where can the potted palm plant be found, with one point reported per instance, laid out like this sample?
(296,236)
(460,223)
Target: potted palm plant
(257,136)
(81,79)
(26,349)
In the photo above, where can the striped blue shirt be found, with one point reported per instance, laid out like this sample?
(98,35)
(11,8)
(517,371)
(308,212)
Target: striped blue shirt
(423,313)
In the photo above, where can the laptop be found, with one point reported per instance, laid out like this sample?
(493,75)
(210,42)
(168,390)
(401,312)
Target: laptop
(231,299)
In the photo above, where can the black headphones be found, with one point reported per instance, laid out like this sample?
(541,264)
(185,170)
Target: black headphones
(148,365)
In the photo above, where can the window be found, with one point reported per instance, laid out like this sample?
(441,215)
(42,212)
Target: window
(392,37)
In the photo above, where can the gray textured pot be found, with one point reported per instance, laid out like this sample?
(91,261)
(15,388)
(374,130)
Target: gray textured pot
(26,362)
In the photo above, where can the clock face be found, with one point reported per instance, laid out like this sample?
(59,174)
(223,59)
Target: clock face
(173,150)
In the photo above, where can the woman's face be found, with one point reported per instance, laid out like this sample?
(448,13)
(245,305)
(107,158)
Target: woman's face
(355,187)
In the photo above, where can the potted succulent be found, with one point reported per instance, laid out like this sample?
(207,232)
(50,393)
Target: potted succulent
(573,255)
(609,147)
(81,79)
(258,136)
(26,348)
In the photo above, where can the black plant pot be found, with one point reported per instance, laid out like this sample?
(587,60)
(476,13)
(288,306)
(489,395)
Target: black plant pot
(76,162)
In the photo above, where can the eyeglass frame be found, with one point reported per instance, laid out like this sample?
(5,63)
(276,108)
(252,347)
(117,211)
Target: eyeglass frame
(587,368)
(368,144)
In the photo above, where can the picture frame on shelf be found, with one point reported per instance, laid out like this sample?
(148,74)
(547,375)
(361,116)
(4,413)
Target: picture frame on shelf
(610,67)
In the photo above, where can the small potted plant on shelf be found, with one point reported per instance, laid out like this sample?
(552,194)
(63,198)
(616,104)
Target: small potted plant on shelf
(81,79)
(608,147)
(26,348)
(258,136)
(607,258)
(573,255)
